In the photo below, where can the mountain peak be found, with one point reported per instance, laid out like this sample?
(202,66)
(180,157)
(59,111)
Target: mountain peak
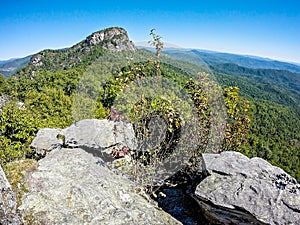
(84,52)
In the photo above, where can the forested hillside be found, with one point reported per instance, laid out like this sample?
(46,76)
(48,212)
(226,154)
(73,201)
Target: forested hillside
(286,80)
(275,112)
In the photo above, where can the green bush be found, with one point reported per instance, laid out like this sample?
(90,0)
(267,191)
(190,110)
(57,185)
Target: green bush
(18,128)
(50,108)
(3,85)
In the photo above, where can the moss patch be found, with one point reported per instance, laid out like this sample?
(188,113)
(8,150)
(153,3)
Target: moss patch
(15,174)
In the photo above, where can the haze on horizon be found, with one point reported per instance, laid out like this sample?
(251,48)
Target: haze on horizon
(262,28)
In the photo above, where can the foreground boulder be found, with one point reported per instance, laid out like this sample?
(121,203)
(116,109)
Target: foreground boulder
(8,202)
(239,190)
(71,186)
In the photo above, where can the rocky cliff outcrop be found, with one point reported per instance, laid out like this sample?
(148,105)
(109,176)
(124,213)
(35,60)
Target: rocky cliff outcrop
(71,186)
(36,60)
(114,38)
(8,202)
(239,190)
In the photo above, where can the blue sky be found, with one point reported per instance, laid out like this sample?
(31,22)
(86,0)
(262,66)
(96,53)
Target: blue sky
(262,28)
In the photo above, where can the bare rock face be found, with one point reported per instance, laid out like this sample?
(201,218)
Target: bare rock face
(239,190)
(36,60)
(3,101)
(99,134)
(8,202)
(98,137)
(114,38)
(71,186)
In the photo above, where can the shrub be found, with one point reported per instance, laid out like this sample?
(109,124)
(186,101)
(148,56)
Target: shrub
(17,127)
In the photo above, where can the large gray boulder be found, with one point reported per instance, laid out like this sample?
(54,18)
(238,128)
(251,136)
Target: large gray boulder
(71,186)
(97,136)
(8,202)
(239,190)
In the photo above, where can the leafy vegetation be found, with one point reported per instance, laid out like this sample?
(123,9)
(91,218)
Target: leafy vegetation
(18,128)
(275,136)
(3,85)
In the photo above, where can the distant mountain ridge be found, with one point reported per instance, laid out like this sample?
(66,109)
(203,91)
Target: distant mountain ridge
(213,58)
(145,44)
(9,67)
(6,61)
(282,78)
(274,80)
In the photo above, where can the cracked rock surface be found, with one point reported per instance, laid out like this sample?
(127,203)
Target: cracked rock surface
(239,190)
(71,186)
(98,137)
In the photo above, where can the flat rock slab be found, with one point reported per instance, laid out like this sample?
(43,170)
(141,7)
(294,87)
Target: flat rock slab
(99,133)
(99,136)
(71,186)
(239,190)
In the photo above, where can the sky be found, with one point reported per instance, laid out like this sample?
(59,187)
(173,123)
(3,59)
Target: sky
(266,28)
